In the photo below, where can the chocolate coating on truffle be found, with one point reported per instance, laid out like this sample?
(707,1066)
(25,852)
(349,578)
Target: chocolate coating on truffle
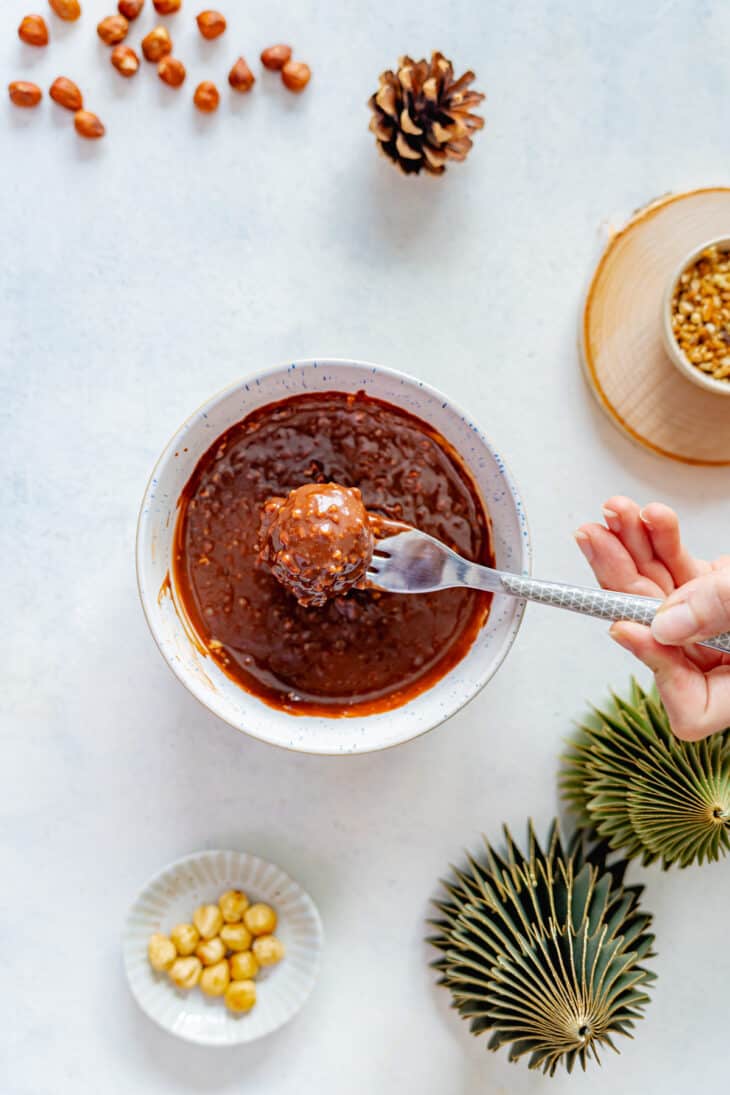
(317,541)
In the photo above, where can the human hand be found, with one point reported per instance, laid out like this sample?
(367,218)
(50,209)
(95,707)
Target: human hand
(641,551)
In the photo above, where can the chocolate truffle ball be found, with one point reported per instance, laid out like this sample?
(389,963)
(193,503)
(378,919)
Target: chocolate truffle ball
(317,541)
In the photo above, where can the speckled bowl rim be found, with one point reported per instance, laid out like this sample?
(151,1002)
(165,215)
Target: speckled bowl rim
(525,554)
(675,354)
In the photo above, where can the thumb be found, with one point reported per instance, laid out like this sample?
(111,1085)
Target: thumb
(695,611)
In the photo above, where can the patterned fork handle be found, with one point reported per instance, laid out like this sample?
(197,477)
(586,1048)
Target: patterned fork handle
(602,603)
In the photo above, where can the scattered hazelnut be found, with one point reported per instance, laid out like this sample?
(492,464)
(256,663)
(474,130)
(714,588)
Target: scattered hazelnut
(244,966)
(233,904)
(23,93)
(171,71)
(157,44)
(185,972)
(268,950)
(214,980)
(260,919)
(185,937)
(33,31)
(113,29)
(88,125)
(70,10)
(240,77)
(275,57)
(236,937)
(66,93)
(211,951)
(125,61)
(211,24)
(241,995)
(295,75)
(167,7)
(130,9)
(161,952)
(208,919)
(207,97)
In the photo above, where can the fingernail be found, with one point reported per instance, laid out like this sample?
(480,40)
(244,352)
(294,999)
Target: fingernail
(643,517)
(609,516)
(584,543)
(675,624)
(618,637)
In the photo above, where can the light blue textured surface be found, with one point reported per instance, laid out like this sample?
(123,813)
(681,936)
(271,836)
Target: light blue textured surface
(141,274)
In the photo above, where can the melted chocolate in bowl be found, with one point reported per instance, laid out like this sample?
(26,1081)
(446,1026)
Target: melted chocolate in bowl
(362,653)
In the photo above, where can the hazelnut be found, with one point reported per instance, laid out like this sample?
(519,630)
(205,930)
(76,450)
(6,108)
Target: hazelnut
(185,972)
(211,24)
(268,950)
(65,92)
(88,125)
(125,61)
(70,10)
(171,71)
(260,919)
(113,29)
(23,93)
(233,904)
(167,7)
(157,44)
(207,97)
(130,9)
(214,980)
(33,31)
(236,937)
(295,75)
(208,919)
(185,937)
(240,77)
(244,966)
(161,952)
(211,951)
(275,57)
(241,995)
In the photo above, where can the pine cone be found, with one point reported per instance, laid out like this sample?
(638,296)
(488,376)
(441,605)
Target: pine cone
(422,114)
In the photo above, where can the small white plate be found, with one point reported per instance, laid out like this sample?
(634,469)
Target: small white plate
(172,896)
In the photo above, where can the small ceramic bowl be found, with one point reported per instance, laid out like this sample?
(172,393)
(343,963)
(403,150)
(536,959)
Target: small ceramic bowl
(172,897)
(201,675)
(690,371)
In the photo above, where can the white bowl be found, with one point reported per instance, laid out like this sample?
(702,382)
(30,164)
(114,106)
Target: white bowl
(201,675)
(172,897)
(690,371)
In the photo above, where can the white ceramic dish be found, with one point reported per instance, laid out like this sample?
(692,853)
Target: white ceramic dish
(686,368)
(313,734)
(171,898)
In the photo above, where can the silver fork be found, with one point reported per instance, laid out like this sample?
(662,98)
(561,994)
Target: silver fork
(413,562)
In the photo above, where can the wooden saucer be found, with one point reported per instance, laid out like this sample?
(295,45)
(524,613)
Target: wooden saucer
(623,355)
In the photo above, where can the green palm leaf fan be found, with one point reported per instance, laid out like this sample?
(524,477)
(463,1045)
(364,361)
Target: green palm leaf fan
(545,949)
(650,795)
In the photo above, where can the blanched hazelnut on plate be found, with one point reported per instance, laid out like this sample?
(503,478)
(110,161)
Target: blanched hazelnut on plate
(208,919)
(24,93)
(156,44)
(233,904)
(33,31)
(275,57)
(207,97)
(268,950)
(185,937)
(70,10)
(67,94)
(185,972)
(211,951)
(211,24)
(161,952)
(236,937)
(260,919)
(113,30)
(214,980)
(240,77)
(244,966)
(240,996)
(130,9)
(171,71)
(88,125)
(125,61)
(295,76)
